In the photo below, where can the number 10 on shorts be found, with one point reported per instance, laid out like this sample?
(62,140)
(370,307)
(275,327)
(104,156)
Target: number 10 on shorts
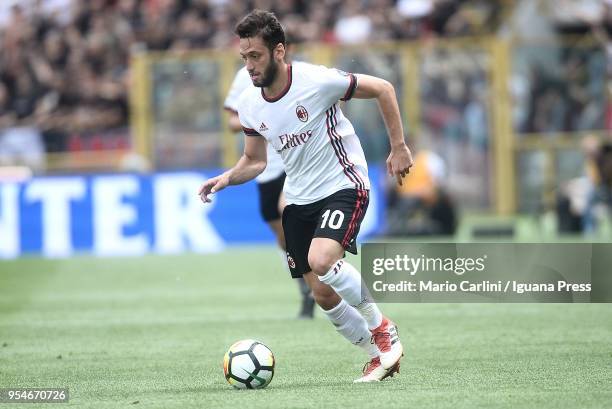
(332,219)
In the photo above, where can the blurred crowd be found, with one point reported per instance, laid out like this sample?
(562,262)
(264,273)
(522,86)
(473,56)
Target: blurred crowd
(64,63)
(567,87)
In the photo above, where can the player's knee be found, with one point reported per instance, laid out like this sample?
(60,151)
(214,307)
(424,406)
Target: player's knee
(320,263)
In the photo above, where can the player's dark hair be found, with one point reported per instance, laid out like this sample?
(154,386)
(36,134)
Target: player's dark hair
(261,23)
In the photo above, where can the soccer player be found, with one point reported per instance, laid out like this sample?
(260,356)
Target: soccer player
(269,183)
(294,107)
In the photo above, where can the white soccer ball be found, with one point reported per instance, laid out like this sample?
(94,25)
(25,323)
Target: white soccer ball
(248,364)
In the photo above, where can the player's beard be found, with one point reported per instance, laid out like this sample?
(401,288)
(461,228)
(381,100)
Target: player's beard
(268,76)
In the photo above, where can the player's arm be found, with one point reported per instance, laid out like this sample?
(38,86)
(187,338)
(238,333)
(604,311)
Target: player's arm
(251,164)
(400,158)
(233,121)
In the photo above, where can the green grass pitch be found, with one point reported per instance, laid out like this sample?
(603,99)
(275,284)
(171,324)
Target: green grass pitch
(151,332)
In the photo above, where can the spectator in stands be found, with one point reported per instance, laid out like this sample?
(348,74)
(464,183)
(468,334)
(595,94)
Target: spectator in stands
(353,25)
(7,115)
(421,205)
(583,201)
(600,193)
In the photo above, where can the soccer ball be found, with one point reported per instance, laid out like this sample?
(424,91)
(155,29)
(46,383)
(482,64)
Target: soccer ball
(248,364)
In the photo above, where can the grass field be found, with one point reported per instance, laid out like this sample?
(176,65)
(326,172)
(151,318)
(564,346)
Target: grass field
(151,332)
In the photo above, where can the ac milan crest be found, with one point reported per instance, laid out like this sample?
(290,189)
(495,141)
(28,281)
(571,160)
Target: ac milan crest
(290,261)
(301,113)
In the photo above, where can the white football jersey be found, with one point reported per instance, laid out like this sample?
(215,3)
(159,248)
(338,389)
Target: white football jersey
(317,143)
(242,81)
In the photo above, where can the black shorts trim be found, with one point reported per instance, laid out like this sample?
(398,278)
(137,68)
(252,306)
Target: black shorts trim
(269,194)
(348,241)
(337,217)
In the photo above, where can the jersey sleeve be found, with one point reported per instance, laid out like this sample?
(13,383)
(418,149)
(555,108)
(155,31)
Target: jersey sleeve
(240,83)
(339,85)
(249,131)
(242,108)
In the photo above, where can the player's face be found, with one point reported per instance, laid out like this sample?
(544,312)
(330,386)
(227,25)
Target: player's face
(260,61)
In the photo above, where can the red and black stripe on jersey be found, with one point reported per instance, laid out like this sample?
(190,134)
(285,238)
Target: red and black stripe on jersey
(349,170)
(250,132)
(348,167)
(351,88)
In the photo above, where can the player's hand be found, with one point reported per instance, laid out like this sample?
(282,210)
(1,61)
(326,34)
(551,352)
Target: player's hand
(211,186)
(399,162)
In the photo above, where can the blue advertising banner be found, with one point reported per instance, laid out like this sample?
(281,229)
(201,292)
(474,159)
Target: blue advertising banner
(130,215)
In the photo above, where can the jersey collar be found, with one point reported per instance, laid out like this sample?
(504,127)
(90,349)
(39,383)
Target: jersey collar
(284,91)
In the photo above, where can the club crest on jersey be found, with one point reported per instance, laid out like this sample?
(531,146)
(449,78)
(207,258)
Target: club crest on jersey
(290,261)
(301,113)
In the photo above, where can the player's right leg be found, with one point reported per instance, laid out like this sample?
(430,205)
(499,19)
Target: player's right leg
(277,228)
(271,204)
(307,305)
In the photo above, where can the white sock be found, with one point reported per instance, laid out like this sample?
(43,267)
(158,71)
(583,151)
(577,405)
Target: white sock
(346,281)
(351,325)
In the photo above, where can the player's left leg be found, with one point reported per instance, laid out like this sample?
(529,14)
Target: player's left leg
(340,220)
(347,321)
(300,223)
(350,324)
(325,258)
